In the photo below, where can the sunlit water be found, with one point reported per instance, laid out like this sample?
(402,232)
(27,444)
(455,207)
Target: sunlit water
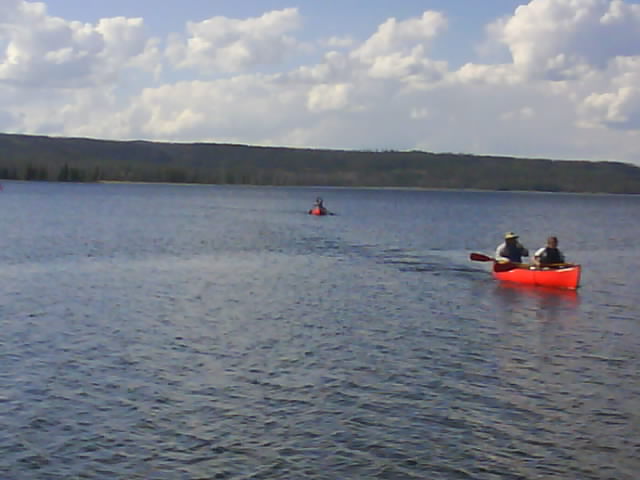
(197,332)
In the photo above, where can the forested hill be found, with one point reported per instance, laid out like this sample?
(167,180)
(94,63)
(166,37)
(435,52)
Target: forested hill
(27,157)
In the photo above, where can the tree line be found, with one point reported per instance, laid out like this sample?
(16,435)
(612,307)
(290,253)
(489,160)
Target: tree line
(39,158)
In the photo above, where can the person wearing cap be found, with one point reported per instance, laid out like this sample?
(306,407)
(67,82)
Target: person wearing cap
(511,249)
(550,254)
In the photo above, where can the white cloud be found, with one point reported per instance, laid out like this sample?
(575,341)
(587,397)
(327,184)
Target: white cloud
(336,67)
(617,109)
(232,45)
(587,50)
(566,38)
(46,51)
(608,99)
(408,68)
(394,37)
(557,98)
(222,110)
(325,97)
(487,74)
(398,50)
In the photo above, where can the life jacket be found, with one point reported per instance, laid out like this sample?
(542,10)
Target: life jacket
(551,255)
(513,253)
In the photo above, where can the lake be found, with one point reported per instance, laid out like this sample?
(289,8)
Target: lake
(219,332)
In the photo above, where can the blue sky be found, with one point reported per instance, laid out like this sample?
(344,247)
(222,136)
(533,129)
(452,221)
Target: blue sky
(553,78)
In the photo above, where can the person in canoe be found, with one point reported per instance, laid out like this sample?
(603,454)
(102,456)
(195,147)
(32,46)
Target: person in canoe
(511,249)
(549,254)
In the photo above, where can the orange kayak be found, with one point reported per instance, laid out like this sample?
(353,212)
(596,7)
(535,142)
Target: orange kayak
(318,211)
(566,276)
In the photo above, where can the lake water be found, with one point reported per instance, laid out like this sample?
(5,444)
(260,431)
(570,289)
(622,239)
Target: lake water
(203,332)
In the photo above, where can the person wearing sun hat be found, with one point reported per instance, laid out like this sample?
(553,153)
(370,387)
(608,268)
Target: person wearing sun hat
(511,249)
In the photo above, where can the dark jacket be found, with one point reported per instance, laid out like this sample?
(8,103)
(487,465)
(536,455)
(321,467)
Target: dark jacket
(512,252)
(549,255)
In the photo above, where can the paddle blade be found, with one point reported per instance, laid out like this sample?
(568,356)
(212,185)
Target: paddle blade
(479,257)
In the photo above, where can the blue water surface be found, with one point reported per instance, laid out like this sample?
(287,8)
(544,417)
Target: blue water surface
(200,332)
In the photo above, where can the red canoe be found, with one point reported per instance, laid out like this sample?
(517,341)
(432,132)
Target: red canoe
(563,277)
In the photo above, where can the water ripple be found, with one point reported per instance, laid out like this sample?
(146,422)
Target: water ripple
(193,337)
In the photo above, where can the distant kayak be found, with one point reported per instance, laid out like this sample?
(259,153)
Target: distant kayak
(564,275)
(318,211)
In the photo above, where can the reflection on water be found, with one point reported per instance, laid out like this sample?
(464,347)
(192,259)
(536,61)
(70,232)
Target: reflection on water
(539,320)
(546,304)
(545,297)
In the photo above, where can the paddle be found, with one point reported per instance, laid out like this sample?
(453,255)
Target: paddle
(499,266)
(479,257)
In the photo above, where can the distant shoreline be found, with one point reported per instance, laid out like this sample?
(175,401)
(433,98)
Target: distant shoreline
(332,187)
(317,187)
(41,158)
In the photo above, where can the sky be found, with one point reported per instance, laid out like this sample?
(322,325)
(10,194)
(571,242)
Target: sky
(541,78)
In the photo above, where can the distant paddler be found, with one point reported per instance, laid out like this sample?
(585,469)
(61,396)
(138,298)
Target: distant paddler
(318,207)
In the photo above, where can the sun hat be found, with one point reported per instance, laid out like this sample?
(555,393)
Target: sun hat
(509,235)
